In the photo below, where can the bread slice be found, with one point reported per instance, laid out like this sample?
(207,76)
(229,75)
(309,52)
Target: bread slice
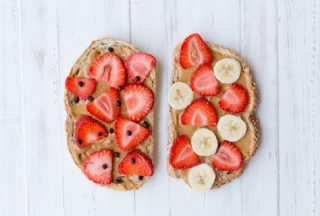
(122,49)
(248,144)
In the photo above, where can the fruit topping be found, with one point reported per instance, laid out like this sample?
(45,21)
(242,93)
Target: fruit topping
(88,131)
(136,163)
(199,112)
(129,134)
(181,155)
(80,87)
(108,68)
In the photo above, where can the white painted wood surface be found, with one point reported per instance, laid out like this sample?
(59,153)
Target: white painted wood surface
(40,40)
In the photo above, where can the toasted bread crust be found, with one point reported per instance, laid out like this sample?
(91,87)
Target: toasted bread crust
(69,123)
(250,117)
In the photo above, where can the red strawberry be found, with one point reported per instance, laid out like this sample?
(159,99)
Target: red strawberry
(194,51)
(107,106)
(108,68)
(81,87)
(182,155)
(235,99)
(136,163)
(129,134)
(139,101)
(199,112)
(139,65)
(98,166)
(88,130)
(228,157)
(203,82)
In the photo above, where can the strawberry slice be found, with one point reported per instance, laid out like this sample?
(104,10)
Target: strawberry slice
(139,101)
(182,155)
(228,157)
(129,134)
(194,51)
(139,65)
(98,166)
(88,130)
(203,82)
(109,69)
(199,112)
(136,163)
(107,106)
(81,87)
(235,99)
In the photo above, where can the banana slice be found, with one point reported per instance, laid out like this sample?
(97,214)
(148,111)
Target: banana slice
(204,142)
(231,127)
(180,95)
(201,177)
(227,70)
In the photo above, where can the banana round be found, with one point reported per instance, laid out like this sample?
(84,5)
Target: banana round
(180,95)
(227,70)
(231,127)
(201,177)
(204,142)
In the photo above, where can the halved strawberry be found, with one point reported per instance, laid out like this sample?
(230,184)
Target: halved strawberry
(194,51)
(107,106)
(235,99)
(129,134)
(182,155)
(203,82)
(228,157)
(109,69)
(136,163)
(199,112)
(139,101)
(88,130)
(139,65)
(80,86)
(98,166)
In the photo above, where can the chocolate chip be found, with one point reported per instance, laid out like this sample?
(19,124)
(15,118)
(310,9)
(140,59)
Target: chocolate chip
(111,130)
(104,166)
(76,99)
(79,141)
(80,83)
(120,88)
(110,49)
(118,180)
(133,160)
(145,124)
(140,178)
(137,78)
(129,133)
(116,154)
(90,98)
(118,103)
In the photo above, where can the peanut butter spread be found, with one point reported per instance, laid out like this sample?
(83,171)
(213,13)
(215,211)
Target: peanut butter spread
(247,144)
(76,110)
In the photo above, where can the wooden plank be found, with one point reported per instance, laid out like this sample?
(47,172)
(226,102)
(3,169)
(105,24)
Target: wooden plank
(148,27)
(80,22)
(298,100)
(13,185)
(314,80)
(41,107)
(259,47)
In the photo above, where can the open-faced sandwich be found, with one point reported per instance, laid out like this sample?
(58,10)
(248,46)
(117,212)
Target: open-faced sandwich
(109,100)
(213,129)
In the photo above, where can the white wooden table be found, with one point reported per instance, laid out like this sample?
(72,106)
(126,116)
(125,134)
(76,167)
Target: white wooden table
(41,39)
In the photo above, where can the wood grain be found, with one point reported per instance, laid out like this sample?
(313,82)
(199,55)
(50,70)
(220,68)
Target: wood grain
(40,41)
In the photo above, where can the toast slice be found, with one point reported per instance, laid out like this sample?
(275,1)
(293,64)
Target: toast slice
(110,116)
(247,144)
